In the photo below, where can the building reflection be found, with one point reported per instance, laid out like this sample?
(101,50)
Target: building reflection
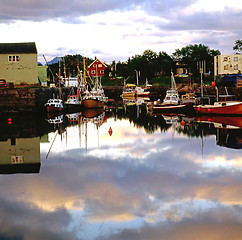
(20,155)
(20,137)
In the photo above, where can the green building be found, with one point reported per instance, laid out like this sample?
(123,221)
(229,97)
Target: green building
(42,74)
(18,63)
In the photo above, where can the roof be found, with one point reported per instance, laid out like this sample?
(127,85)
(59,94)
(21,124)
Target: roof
(97,60)
(10,48)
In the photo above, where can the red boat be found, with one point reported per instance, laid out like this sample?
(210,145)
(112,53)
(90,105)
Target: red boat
(228,107)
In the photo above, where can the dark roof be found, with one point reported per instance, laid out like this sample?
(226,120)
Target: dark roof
(10,48)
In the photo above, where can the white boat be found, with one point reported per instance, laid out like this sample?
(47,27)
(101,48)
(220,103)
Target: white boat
(54,105)
(94,98)
(72,102)
(188,98)
(141,92)
(171,102)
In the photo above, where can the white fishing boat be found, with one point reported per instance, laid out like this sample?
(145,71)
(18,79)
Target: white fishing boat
(54,105)
(95,98)
(171,102)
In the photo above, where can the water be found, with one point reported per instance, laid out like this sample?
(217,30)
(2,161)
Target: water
(123,175)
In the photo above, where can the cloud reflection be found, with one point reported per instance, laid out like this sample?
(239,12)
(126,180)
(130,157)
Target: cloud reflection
(161,186)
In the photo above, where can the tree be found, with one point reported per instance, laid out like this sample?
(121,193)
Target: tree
(164,64)
(191,55)
(238,46)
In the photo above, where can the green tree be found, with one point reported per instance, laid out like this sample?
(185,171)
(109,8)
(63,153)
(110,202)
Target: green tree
(238,46)
(191,55)
(164,64)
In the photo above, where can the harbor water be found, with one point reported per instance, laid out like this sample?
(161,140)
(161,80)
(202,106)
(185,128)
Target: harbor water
(120,173)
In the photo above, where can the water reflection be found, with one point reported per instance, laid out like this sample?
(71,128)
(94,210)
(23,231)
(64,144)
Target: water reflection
(154,177)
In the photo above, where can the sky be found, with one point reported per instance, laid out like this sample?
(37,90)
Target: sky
(116,30)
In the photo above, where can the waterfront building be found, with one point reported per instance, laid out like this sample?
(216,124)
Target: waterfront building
(42,75)
(18,63)
(96,68)
(227,64)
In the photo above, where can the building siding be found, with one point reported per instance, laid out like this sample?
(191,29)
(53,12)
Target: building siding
(22,71)
(227,64)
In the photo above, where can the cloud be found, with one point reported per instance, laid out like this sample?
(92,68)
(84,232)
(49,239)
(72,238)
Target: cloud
(35,10)
(23,221)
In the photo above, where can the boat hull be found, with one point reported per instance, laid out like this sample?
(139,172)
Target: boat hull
(73,107)
(54,109)
(144,94)
(92,103)
(222,109)
(128,95)
(170,109)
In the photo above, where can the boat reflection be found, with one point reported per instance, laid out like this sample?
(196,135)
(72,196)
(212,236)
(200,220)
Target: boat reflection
(20,136)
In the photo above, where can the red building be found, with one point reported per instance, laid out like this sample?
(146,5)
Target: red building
(96,68)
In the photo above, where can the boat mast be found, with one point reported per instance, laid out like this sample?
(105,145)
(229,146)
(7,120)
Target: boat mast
(173,82)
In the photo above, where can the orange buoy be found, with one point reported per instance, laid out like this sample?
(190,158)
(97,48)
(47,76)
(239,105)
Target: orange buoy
(110,131)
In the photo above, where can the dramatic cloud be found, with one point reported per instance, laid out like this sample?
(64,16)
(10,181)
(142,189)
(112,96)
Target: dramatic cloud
(130,185)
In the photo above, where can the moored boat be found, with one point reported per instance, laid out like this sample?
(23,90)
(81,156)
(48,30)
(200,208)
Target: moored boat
(73,102)
(54,105)
(141,92)
(224,105)
(228,107)
(129,91)
(94,99)
(171,102)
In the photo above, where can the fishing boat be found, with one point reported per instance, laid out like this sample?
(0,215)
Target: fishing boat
(129,91)
(220,108)
(224,105)
(188,98)
(171,102)
(141,92)
(72,102)
(54,105)
(95,98)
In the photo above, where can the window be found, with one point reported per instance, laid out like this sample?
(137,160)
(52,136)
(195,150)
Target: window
(100,65)
(226,67)
(236,67)
(93,72)
(225,59)
(13,58)
(94,65)
(102,71)
(236,59)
